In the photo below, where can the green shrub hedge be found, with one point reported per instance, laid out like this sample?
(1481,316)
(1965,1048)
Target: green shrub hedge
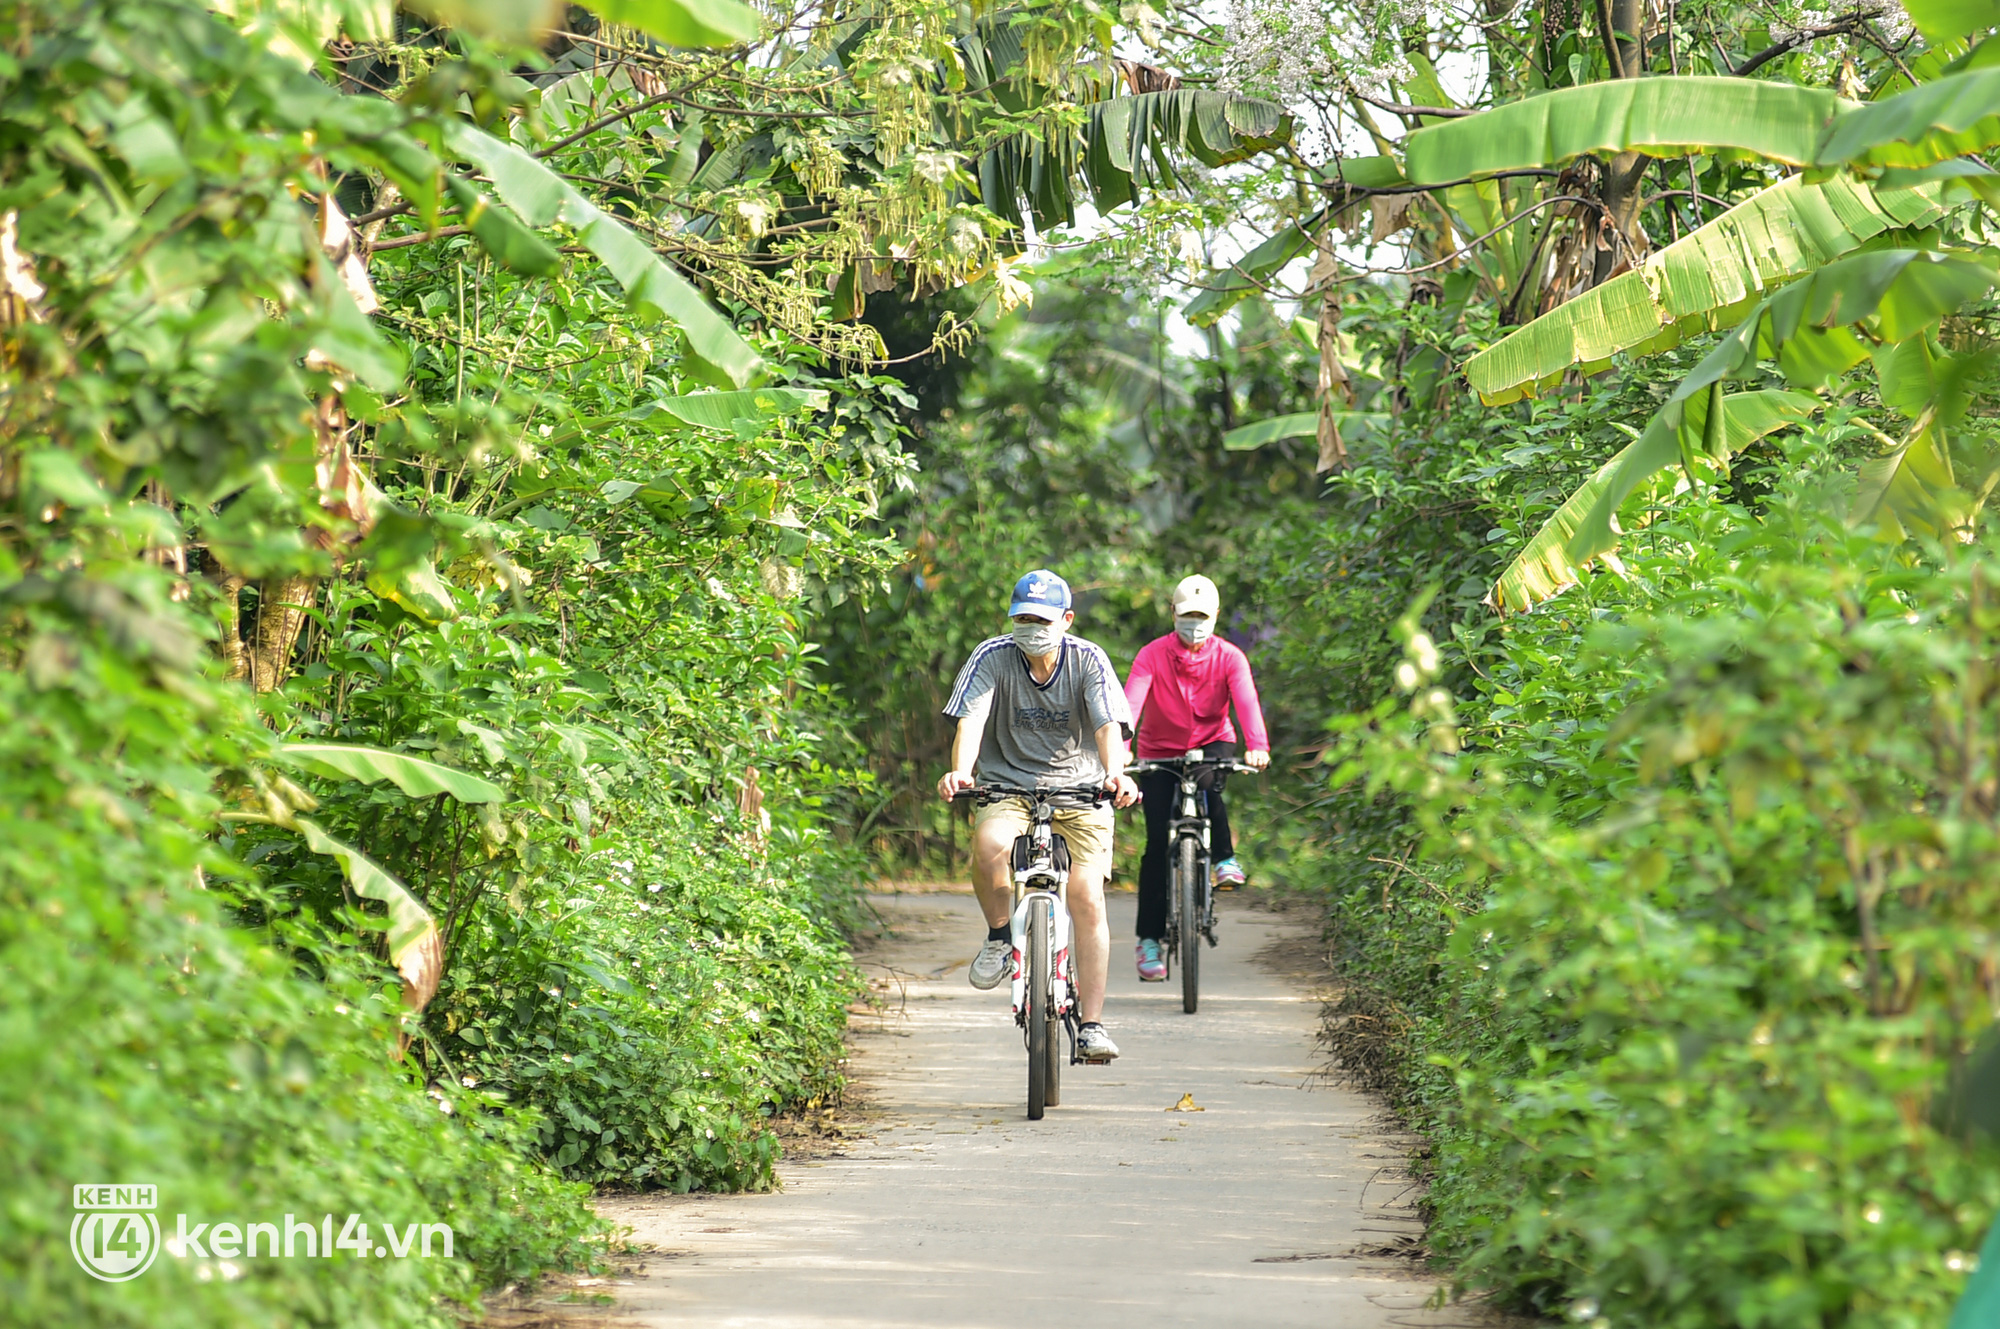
(1686,925)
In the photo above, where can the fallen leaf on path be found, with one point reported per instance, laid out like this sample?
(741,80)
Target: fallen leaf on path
(1186,1104)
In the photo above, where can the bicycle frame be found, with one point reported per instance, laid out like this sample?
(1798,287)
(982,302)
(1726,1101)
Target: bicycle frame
(1035,881)
(1191,820)
(1041,882)
(1189,824)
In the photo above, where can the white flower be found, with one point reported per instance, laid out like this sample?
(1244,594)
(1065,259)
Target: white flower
(1290,47)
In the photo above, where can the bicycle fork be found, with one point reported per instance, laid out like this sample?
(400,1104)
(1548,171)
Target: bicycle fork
(1194,825)
(1062,999)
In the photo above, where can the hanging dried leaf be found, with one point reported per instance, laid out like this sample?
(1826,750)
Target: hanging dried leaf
(1389,213)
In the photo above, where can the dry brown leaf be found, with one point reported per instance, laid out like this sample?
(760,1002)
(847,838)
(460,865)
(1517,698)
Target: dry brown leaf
(1389,213)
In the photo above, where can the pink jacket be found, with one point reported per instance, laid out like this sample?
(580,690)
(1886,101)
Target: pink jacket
(1180,698)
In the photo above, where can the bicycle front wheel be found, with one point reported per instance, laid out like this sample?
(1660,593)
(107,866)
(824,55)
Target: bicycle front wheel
(1187,888)
(1055,1056)
(1040,1001)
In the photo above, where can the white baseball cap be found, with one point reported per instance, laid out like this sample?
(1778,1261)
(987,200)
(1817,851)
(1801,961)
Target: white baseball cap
(1196,595)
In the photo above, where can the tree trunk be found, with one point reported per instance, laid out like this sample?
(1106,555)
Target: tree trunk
(281,612)
(230,587)
(1621,239)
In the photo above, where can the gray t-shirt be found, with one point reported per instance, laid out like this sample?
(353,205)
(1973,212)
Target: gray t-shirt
(1039,735)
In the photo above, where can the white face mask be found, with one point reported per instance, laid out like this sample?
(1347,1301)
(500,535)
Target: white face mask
(1194,629)
(1038,638)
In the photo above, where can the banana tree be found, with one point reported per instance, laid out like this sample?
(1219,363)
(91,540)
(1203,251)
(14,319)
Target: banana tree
(1882,306)
(412,941)
(1701,282)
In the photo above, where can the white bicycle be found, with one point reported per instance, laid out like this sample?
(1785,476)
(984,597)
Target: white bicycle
(1044,969)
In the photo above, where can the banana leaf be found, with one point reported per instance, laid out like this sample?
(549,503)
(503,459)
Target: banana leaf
(1952,117)
(1907,489)
(413,775)
(1252,273)
(730,411)
(1661,117)
(540,198)
(500,232)
(1698,282)
(1555,557)
(1810,329)
(415,948)
(686,22)
(1366,172)
(1248,438)
(1941,19)
(1126,143)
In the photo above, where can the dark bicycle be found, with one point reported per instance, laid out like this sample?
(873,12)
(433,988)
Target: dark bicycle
(1191,903)
(1044,969)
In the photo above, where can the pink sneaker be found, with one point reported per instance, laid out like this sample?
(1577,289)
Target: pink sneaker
(1152,964)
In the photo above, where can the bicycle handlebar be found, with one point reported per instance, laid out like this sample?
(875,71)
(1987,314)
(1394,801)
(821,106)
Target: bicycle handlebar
(993,793)
(1182,766)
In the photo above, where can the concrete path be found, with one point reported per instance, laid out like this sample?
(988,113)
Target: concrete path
(1281,1203)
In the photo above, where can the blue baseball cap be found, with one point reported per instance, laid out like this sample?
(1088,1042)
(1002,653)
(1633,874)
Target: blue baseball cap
(1042,594)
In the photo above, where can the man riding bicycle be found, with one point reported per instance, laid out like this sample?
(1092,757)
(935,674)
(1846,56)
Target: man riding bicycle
(1039,709)
(1179,691)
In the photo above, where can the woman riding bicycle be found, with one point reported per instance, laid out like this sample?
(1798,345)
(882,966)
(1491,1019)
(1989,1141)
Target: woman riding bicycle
(1179,691)
(1038,709)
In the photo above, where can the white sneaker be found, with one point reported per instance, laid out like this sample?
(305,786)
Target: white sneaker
(993,965)
(1094,1045)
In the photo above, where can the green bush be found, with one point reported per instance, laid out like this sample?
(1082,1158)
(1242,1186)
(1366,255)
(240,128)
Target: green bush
(658,1008)
(147,1039)
(1703,913)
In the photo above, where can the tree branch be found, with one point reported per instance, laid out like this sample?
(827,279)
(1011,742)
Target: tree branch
(1792,43)
(1443,112)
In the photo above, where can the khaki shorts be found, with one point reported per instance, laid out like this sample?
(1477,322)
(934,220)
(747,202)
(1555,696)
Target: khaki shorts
(1088,833)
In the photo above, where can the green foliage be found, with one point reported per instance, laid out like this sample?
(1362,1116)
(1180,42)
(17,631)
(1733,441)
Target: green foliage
(1710,953)
(515,619)
(149,1037)
(657,1009)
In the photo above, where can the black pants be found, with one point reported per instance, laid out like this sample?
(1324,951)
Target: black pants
(1156,869)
